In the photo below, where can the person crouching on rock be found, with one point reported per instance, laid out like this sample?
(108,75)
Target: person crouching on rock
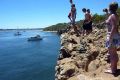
(113,37)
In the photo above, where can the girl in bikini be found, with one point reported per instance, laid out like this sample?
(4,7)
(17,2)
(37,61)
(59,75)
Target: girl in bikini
(113,37)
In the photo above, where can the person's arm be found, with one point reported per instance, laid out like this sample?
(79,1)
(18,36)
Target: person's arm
(71,1)
(107,17)
(85,16)
(119,22)
(106,12)
(91,16)
(106,21)
(69,16)
(113,23)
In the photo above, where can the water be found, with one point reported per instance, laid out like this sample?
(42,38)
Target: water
(23,60)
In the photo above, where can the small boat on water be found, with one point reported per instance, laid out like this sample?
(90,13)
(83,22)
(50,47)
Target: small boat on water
(36,38)
(17,34)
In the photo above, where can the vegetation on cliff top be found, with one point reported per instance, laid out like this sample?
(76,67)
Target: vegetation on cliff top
(56,27)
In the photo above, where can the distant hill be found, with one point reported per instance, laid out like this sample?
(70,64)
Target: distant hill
(56,27)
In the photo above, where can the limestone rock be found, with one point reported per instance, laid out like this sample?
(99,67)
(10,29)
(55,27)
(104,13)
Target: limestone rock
(92,66)
(83,57)
(68,69)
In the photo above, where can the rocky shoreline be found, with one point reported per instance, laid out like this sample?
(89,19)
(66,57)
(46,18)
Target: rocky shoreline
(84,58)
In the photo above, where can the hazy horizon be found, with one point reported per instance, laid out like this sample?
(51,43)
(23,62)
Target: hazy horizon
(20,28)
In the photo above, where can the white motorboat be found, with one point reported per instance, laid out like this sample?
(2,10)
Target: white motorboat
(36,38)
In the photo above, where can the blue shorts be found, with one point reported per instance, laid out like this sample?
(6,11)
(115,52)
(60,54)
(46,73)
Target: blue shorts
(115,41)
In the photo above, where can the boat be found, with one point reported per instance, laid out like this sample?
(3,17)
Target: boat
(36,38)
(17,34)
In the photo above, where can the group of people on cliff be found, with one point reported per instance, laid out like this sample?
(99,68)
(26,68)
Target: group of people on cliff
(87,24)
(113,35)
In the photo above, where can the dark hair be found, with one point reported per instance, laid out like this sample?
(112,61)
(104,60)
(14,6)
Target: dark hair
(88,10)
(84,9)
(73,5)
(105,10)
(113,6)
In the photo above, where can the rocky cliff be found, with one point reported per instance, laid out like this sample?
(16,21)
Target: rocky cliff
(84,58)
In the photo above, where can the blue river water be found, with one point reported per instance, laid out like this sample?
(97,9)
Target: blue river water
(23,60)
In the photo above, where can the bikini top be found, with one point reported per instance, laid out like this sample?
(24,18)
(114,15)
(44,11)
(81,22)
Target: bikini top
(109,23)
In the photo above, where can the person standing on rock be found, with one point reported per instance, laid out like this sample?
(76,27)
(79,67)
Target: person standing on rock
(72,14)
(87,21)
(84,26)
(72,17)
(90,21)
(113,37)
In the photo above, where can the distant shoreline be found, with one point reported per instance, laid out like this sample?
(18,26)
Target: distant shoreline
(49,31)
(25,30)
(22,29)
(19,29)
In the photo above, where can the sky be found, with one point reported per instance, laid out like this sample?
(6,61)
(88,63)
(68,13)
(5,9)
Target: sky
(43,13)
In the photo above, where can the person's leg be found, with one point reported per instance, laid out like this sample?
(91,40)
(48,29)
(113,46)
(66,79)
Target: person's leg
(84,28)
(89,27)
(74,26)
(83,32)
(73,21)
(87,32)
(113,58)
(76,30)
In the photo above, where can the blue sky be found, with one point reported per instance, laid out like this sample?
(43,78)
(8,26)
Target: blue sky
(43,13)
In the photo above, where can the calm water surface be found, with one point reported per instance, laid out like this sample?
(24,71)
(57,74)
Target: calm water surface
(23,60)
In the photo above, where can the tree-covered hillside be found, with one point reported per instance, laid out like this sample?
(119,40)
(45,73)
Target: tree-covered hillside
(56,27)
